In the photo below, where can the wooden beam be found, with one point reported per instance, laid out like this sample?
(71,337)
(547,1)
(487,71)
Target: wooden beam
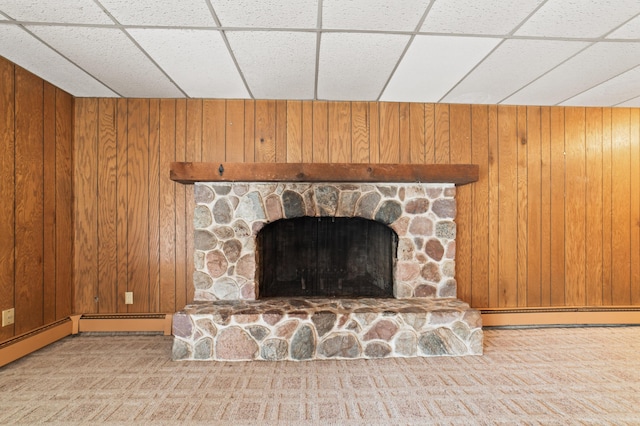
(189,172)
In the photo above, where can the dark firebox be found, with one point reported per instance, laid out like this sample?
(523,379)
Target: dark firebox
(326,257)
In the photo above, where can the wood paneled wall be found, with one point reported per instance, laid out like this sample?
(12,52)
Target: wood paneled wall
(553,221)
(36,200)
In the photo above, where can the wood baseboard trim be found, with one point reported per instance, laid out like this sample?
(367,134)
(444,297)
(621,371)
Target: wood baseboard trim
(24,344)
(560,316)
(126,323)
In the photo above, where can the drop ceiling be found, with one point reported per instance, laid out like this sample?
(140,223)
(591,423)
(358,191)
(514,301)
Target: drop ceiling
(524,52)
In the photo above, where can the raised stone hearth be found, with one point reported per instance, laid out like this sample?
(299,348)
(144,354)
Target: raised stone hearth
(299,329)
(229,320)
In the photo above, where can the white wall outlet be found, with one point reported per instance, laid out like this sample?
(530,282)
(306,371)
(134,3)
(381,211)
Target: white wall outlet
(8,317)
(128,298)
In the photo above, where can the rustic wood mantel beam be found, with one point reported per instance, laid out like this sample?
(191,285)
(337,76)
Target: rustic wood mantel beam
(188,172)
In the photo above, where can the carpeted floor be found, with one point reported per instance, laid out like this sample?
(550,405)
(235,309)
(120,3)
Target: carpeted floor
(528,376)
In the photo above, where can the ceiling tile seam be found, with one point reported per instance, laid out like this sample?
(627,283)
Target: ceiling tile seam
(318,41)
(71,61)
(546,72)
(621,25)
(472,70)
(406,49)
(526,18)
(11,21)
(627,100)
(223,34)
(637,66)
(144,52)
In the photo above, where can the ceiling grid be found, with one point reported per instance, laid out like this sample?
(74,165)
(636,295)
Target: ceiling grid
(526,52)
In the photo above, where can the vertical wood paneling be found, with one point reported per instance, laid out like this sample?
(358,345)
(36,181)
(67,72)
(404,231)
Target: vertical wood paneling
(36,256)
(294,132)
(480,204)
(557,282)
(522,205)
(460,141)
(441,123)
(507,193)
(234,144)
(621,208)
(85,181)
(320,132)
(168,205)
(374,132)
(389,132)
(594,210)
(265,135)
(575,205)
(307,131)
(494,208)
(606,206)
(138,203)
(64,205)
(154,205)
(249,130)
(635,206)
(339,132)
(545,206)
(184,238)
(524,229)
(534,203)
(417,133)
(122,183)
(29,208)
(7,191)
(360,132)
(213,130)
(49,204)
(107,206)
(405,133)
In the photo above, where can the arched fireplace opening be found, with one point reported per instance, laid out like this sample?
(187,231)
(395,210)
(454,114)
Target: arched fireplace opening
(326,257)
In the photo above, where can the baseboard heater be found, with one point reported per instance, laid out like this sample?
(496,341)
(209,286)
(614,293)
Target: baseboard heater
(615,315)
(24,344)
(160,323)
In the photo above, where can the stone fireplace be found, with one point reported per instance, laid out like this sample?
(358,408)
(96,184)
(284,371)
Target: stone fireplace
(277,277)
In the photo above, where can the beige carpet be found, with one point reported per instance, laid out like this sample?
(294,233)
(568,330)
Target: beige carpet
(529,376)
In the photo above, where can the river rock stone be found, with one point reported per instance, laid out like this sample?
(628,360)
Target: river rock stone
(182,325)
(216,263)
(202,281)
(180,350)
(327,200)
(417,206)
(421,226)
(202,217)
(203,194)
(367,205)
(234,343)
(232,249)
(204,240)
(340,345)
(293,204)
(202,349)
(324,321)
(258,332)
(207,326)
(222,211)
(405,343)
(274,208)
(444,208)
(446,229)
(274,349)
(377,350)
(383,329)
(434,249)
(303,344)
(389,212)
(226,289)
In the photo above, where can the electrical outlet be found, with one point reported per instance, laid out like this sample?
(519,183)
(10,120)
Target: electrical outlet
(128,298)
(8,317)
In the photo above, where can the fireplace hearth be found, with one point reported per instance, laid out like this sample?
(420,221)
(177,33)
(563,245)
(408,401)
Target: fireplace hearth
(317,270)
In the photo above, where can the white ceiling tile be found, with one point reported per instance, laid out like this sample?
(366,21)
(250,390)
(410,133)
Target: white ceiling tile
(355,65)
(276,64)
(632,103)
(589,68)
(112,58)
(267,13)
(629,30)
(381,15)
(21,48)
(197,60)
(497,17)
(508,68)
(191,13)
(579,18)
(433,65)
(62,11)
(611,92)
